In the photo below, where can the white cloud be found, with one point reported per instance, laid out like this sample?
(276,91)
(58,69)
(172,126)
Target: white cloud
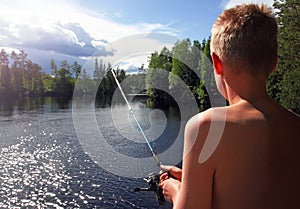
(136,49)
(131,52)
(63,27)
(232,3)
(133,62)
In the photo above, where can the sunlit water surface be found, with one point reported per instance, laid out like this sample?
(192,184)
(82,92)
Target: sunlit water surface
(42,165)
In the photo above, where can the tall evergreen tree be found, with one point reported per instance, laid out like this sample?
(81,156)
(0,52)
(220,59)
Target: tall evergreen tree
(53,67)
(99,69)
(17,73)
(180,69)
(206,74)
(5,79)
(4,61)
(33,83)
(157,77)
(284,82)
(76,68)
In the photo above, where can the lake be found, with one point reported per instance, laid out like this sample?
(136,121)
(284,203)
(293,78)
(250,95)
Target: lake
(51,157)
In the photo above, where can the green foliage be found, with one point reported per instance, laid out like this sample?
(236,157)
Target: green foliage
(76,68)
(6,80)
(181,70)
(159,66)
(156,82)
(33,78)
(48,83)
(187,66)
(202,95)
(108,84)
(63,83)
(134,84)
(19,75)
(53,67)
(291,88)
(284,83)
(100,69)
(84,84)
(180,64)
(207,76)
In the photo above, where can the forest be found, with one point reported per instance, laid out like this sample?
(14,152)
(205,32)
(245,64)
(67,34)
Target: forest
(187,60)
(20,77)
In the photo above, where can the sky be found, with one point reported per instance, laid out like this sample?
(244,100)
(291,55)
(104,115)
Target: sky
(76,30)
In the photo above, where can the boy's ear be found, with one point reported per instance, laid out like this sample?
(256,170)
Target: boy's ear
(218,65)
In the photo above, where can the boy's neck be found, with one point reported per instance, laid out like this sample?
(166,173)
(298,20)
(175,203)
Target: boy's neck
(251,88)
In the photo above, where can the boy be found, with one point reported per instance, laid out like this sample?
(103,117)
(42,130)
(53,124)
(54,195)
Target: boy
(256,163)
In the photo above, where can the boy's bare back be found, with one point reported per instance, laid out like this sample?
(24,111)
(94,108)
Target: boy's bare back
(257,160)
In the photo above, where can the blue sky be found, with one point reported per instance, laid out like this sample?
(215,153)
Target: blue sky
(191,19)
(76,29)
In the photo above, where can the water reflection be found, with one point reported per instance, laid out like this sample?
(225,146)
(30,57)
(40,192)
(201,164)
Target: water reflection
(44,166)
(12,105)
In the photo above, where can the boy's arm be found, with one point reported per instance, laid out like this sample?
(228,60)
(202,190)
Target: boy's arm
(197,179)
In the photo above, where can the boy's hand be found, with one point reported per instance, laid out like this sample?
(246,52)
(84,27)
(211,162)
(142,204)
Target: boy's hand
(171,171)
(170,182)
(170,189)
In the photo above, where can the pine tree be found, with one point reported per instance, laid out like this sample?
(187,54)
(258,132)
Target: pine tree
(157,77)
(53,67)
(76,68)
(284,83)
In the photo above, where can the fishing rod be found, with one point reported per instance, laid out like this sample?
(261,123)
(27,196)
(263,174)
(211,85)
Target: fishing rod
(155,157)
(153,179)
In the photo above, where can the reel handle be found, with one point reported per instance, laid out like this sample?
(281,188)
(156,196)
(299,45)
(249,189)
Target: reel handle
(153,185)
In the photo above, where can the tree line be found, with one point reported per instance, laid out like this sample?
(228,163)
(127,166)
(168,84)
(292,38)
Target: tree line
(19,76)
(189,74)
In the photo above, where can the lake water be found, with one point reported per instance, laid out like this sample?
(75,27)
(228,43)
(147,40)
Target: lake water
(45,164)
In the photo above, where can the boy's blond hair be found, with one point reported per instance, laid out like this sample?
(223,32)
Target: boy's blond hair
(246,37)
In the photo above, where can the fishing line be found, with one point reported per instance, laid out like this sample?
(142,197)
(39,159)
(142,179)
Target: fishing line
(155,157)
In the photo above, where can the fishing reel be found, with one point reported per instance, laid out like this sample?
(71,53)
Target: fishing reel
(153,185)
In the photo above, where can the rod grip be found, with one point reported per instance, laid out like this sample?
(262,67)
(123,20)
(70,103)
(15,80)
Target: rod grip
(157,161)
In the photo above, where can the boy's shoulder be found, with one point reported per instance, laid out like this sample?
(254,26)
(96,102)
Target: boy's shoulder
(212,117)
(216,114)
(243,115)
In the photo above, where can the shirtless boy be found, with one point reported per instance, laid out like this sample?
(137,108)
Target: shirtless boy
(256,163)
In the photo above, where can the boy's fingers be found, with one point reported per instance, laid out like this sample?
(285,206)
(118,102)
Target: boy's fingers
(164,176)
(170,169)
(166,167)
